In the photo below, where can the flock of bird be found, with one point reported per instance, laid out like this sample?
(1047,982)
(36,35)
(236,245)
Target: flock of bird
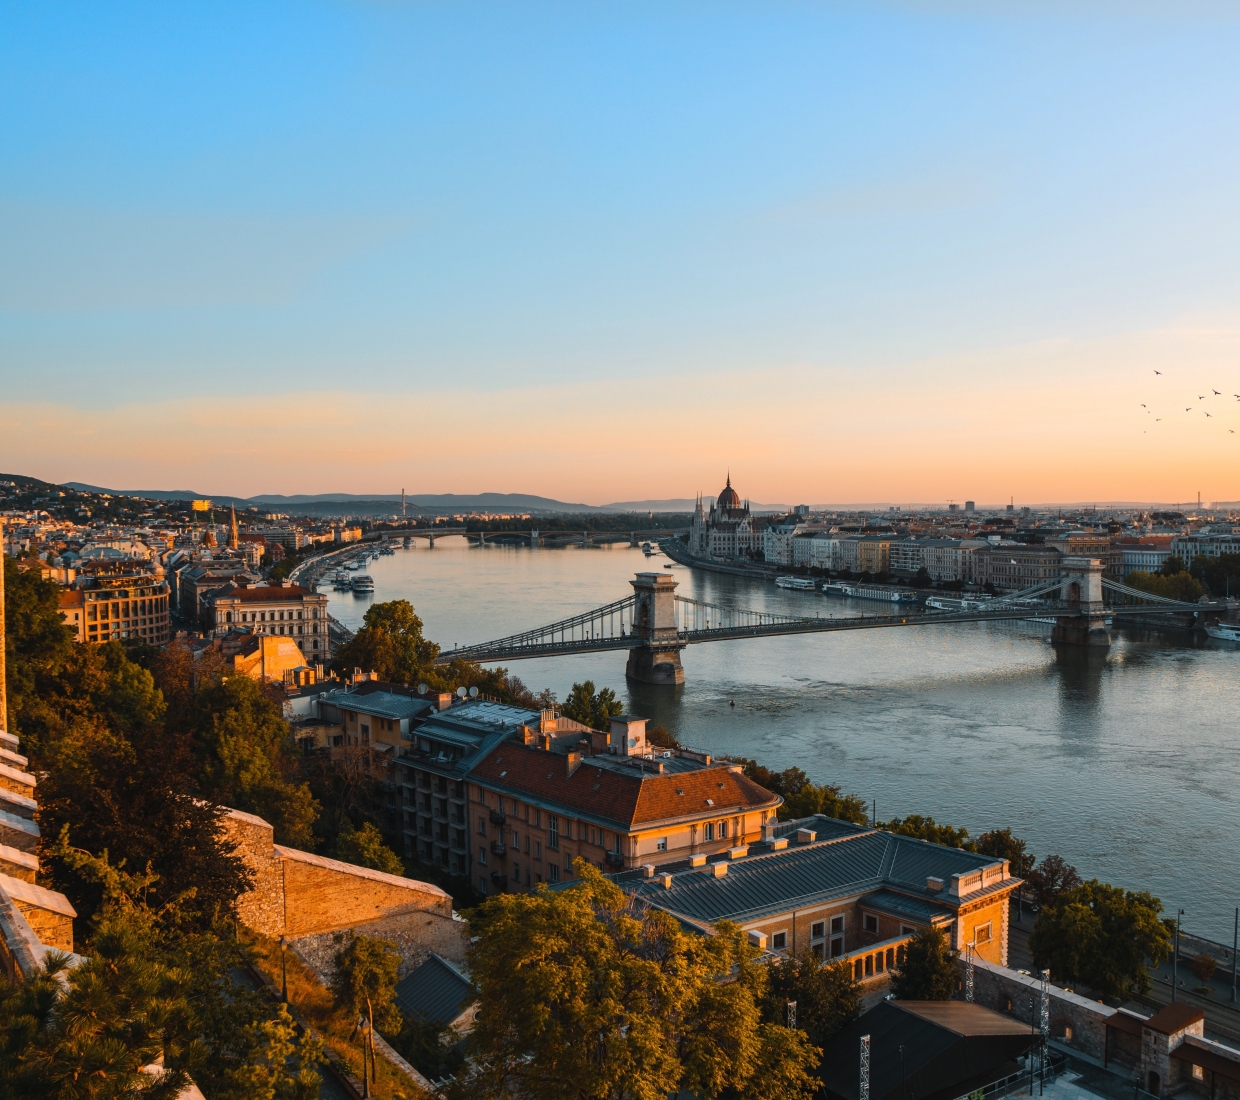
(1193,408)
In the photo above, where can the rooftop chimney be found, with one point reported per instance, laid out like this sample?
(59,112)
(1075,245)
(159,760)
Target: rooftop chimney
(628,736)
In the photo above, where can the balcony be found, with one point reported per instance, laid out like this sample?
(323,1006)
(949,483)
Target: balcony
(498,817)
(501,881)
(498,848)
(615,859)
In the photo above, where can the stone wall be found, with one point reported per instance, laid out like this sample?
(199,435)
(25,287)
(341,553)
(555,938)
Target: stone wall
(299,894)
(1076,1021)
(415,936)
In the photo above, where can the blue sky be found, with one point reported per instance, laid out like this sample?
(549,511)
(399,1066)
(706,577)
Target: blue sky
(768,235)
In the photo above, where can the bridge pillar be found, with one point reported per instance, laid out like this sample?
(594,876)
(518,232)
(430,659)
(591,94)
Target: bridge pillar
(585,538)
(534,539)
(482,538)
(632,538)
(657,659)
(431,540)
(1082,589)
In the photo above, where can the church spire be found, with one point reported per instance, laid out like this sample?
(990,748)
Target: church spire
(234,540)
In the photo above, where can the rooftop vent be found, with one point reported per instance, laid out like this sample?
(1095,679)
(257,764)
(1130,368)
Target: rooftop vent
(739,852)
(934,883)
(698,860)
(758,939)
(647,870)
(665,881)
(718,870)
(806,836)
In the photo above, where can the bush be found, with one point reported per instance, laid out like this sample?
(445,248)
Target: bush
(1203,966)
(928,972)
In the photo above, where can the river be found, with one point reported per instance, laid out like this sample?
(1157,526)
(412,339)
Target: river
(1126,764)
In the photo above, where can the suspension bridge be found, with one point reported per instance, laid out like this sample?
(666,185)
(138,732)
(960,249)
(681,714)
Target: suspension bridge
(654,623)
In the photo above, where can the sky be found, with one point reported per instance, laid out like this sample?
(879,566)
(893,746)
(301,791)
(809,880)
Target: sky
(850,252)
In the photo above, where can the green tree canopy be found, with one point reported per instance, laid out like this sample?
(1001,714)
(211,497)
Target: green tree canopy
(1001,844)
(592,708)
(245,758)
(827,997)
(147,988)
(365,848)
(365,980)
(1052,878)
(803,798)
(1176,585)
(926,828)
(928,972)
(1220,576)
(1102,935)
(584,994)
(391,644)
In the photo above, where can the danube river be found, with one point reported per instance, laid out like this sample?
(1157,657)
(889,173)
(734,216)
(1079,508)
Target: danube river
(1125,764)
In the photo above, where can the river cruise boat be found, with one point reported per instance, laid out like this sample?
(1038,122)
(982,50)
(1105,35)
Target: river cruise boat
(647,549)
(1224,632)
(363,583)
(801,584)
(947,603)
(870,592)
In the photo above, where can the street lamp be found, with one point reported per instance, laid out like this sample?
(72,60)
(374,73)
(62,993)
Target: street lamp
(284,969)
(361,1024)
(1175,957)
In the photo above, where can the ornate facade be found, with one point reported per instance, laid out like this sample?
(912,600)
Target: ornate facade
(727,531)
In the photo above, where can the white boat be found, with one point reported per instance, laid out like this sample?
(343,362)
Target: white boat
(362,583)
(1224,632)
(869,592)
(801,584)
(353,565)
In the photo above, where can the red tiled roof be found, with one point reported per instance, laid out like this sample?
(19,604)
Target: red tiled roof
(266,594)
(633,799)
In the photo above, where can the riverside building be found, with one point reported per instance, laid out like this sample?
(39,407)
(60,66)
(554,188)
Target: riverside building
(284,608)
(126,604)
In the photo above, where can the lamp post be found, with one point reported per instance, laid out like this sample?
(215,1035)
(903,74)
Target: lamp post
(284,969)
(1235,943)
(1175,957)
(361,1025)
(903,1076)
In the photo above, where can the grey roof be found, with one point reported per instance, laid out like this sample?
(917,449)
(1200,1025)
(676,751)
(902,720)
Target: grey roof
(381,704)
(773,882)
(478,718)
(436,991)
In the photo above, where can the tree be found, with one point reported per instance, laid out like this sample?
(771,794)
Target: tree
(37,647)
(928,972)
(365,978)
(1203,966)
(926,828)
(147,989)
(365,848)
(591,708)
(803,798)
(245,760)
(1102,935)
(827,997)
(1001,844)
(585,993)
(661,738)
(391,644)
(1052,878)
(1221,575)
(1173,585)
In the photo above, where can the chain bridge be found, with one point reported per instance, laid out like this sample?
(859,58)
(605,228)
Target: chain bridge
(654,624)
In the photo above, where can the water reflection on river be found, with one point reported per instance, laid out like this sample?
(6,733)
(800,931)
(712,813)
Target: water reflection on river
(1126,763)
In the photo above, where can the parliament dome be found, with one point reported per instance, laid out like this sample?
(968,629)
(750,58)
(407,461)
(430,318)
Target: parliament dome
(729,498)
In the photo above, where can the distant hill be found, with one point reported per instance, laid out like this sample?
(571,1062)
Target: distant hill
(357,503)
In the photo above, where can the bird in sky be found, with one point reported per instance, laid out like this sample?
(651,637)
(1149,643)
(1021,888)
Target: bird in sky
(1207,414)
(1189,409)
(1232,431)
(1158,420)
(1158,372)
(1217,394)
(1201,397)
(1142,406)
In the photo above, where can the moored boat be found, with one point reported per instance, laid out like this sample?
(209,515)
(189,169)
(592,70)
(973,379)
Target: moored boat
(1224,632)
(363,583)
(801,584)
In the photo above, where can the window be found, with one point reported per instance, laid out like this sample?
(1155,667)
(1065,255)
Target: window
(661,844)
(482,826)
(482,886)
(1198,1075)
(870,922)
(723,830)
(482,856)
(708,831)
(516,872)
(981,934)
(837,925)
(553,832)
(779,941)
(907,930)
(538,852)
(817,930)
(553,872)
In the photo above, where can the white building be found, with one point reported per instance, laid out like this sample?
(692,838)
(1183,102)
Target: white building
(727,531)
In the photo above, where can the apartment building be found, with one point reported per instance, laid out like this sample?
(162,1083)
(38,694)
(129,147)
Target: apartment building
(284,608)
(119,605)
(510,797)
(1011,566)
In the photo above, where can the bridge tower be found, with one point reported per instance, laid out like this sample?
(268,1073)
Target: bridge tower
(657,659)
(1081,589)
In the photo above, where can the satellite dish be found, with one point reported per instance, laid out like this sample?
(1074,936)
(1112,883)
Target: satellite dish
(421,689)
(473,693)
(460,692)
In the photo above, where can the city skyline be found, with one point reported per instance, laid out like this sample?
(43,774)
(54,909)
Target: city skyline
(882,252)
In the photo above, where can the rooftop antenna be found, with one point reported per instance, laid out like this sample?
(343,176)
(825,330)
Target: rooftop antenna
(402,503)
